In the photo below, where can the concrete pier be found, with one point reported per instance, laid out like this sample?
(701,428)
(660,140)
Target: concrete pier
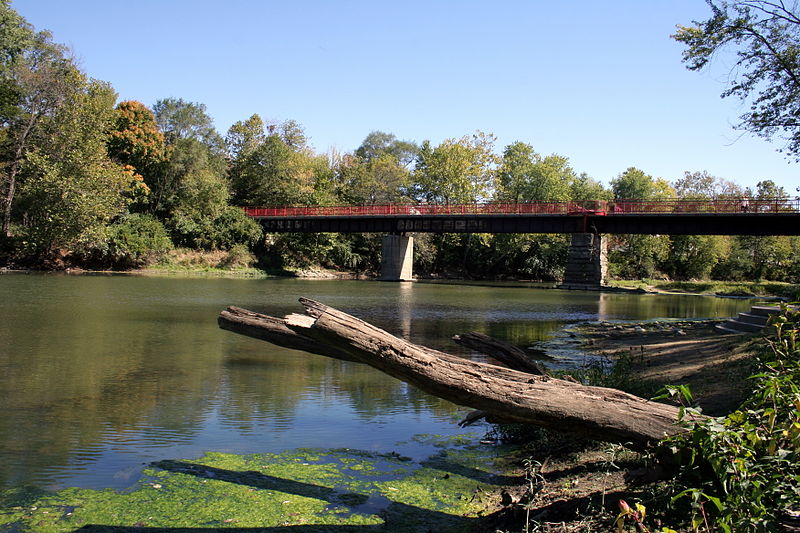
(397,258)
(587,265)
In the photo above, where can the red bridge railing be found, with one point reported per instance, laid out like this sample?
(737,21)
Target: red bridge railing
(594,207)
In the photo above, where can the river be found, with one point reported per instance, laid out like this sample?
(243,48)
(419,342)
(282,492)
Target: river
(100,374)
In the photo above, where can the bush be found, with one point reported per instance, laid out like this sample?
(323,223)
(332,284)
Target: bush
(224,232)
(742,472)
(136,241)
(238,256)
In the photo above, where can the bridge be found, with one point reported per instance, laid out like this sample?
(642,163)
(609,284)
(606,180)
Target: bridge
(587,221)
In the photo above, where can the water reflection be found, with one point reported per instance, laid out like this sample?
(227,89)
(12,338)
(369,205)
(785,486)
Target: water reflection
(99,374)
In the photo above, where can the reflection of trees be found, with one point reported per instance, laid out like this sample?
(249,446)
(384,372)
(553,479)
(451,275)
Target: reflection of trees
(77,374)
(270,385)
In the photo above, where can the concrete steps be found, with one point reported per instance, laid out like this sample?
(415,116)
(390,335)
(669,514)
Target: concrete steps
(753,322)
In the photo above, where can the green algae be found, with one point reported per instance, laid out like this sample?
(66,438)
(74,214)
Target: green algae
(320,490)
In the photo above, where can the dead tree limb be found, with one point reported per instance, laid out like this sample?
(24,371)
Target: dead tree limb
(506,353)
(504,394)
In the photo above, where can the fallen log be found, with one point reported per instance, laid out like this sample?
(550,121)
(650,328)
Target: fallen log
(504,394)
(506,353)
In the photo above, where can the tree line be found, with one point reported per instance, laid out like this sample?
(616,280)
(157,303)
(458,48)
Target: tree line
(91,182)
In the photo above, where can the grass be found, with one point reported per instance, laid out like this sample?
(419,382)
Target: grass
(722,288)
(213,263)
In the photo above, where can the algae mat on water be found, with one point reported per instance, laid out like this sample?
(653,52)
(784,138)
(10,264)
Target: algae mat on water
(299,491)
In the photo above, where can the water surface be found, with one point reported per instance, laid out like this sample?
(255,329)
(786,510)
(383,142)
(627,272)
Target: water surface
(100,374)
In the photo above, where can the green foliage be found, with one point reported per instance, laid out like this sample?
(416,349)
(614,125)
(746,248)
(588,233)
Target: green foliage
(765,37)
(634,184)
(702,185)
(525,176)
(244,137)
(72,190)
(379,143)
(274,174)
(381,179)
(693,256)
(747,464)
(208,232)
(238,257)
(16,36)
(637,256)
(458,171)
(178,119)
(135,241)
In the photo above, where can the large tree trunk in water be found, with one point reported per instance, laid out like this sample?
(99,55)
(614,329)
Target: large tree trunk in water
(504,394)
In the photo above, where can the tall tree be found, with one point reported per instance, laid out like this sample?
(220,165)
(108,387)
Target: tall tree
(702,185)
(135,141)
(379,180)
(526,176)
(15,36)
(765,36)
(378,143)
(638,256)
(274,174)
(179,119)
(72,189)
(244,137)
(456,171)
(43,78)
(634,184)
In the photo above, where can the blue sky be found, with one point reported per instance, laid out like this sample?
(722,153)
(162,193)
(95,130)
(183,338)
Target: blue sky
(598,82)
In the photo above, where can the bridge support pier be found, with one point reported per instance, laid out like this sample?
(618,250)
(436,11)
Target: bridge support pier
(397,258)
(587,265)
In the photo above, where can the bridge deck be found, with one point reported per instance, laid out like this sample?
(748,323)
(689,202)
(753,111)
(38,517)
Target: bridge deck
(676,217)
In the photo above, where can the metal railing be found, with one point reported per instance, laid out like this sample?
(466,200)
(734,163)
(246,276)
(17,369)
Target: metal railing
(593,207)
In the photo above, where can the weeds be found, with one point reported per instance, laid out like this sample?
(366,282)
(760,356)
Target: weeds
(741,472)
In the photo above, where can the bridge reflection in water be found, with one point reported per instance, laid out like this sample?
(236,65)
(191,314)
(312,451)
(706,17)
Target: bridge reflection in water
(586,220)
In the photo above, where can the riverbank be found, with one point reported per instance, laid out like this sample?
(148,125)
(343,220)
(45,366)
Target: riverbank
(745,289)
(575,486)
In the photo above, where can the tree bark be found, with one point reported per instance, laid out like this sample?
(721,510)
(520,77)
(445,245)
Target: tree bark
(504,394)
(506,353)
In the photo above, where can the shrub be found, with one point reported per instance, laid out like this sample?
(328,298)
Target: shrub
(238,256)
(742,471)
(136,241)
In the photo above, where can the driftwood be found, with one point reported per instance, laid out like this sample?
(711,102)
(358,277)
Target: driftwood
(503,394)
(506,353)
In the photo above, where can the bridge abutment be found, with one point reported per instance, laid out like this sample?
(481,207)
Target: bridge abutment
(587,265)
(397,258)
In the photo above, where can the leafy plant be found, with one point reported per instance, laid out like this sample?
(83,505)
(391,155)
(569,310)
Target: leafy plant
(747,464)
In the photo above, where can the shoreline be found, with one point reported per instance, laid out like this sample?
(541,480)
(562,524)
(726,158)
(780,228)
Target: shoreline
(617,286)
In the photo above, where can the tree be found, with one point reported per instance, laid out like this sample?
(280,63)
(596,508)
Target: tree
(634,184)
(378,143)
(16,36)
(702,185)
(179,119)
(244,137)
(587,188)
(765,37)
(638,256)
(458,171)
(72,189)
(526,176)
(136,141)
(42,79)
(273,174)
